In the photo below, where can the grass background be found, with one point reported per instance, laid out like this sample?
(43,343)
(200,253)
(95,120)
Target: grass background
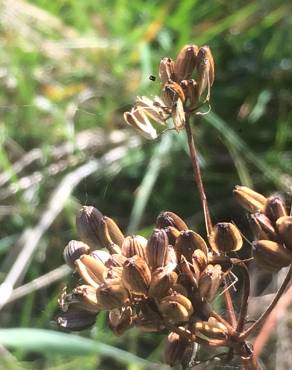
(68,70)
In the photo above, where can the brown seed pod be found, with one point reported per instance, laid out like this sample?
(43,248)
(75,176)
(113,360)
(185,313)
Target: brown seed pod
(95,268)
(87,223)
(178,115)
(136,275)
(225,237)
(174,349)
(210,281)
(187,242)
(284,227)
(167,218)
(190,89)
(110,235)
(271,255)
(275,208)
(163,278)
(87,295)
(249,199)
(73,250)
(172,234)
(76,320)
(176,308)
(157,249)
(116,260)
(211,331)
(185,62)
(134,245)
(206,70)
(171,93)
(120,319)
(111,295)
(262,227)
(166,70)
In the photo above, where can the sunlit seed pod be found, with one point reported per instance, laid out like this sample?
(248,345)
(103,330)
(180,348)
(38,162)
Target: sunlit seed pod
(284,227)
(95,268)
(166,70)
(163,279)
(168,218)
(120,319)
(206,71)
(76,320)
(181,299)
(88,295)
(175,308)
(136,275)
(204,328)
(271,255)
(134,245)
(172,234)
(224,261)
(174,349)
(101,256)
(200,258)
(140,122)
(210,281)
(249,199)
(185,62)
(80,299)
(190,89)
(73,250)
(225,237)
(275,208)
(87,223)
(111,296)
(114,273)
(157,249)
(110,235)
(262,226)
(187,242)
(116,260)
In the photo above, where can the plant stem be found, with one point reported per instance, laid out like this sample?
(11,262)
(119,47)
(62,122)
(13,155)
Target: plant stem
(244,300)
(198,176)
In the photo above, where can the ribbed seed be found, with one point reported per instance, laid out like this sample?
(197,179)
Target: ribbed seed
(134,245)
(157,249)
(168,218)
(210,281)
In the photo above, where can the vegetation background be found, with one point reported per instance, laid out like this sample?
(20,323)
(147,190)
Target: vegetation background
(68,71)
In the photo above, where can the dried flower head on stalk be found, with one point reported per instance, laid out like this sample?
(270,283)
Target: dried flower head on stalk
(167,283)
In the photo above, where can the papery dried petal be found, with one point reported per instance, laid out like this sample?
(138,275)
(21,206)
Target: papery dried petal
(205,68)
(139,121)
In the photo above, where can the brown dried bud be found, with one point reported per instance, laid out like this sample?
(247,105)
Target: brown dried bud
(210,281)
(168,218)
(73,250)
(225,237)
(271,255)
(176,308)
(110,235)
(76,320)
(284,227)
(166,70)
(206,70)
(140,122)
(210,330)
(249,199)
(262,226)
(111,296)
(187,243)
(174,349)
(162,280)
(136,275)
(87,223)
(275,208)
(134,245)
(120,319)
(157,249)
(185,62)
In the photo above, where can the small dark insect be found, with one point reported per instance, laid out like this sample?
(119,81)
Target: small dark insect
(152,78)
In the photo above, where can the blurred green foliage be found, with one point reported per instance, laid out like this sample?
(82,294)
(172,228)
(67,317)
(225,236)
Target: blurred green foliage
(69,66)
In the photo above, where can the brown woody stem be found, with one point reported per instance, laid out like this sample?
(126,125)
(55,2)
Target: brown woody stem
(263,317)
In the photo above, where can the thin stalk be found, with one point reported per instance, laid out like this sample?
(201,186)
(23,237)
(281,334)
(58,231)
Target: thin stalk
(263,317)
(244,300)
(198,176)
(229,305)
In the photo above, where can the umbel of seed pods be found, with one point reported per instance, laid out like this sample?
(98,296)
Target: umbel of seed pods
(182,92)
(166,283)
(272,227)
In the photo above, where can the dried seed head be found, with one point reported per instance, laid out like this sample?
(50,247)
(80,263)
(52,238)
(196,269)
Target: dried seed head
(262,226)
(154,109)
(166,70)
(168,218)
(111,295)
(284,227)
(163,279)
(73,250)
(134,245)
(80,299)
(174,349)
(87,223)
(136,275)
(249,199)
(176,308)
(139,121)
(275,208)
(271,255)
(120,319)
(206,70)
(210,281)
(110,235)
(187,243)
(225,238)
(76,320)
(157,249)
(185,62)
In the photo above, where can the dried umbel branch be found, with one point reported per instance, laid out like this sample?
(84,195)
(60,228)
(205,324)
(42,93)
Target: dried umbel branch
(168,281)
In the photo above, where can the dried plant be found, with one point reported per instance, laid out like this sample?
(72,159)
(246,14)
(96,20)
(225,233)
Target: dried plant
(167,283)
